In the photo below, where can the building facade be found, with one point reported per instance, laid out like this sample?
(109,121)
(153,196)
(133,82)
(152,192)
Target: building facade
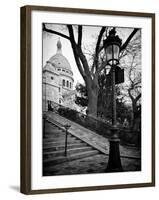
(58,80)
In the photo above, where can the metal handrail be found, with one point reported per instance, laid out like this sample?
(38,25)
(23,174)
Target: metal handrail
(99,126)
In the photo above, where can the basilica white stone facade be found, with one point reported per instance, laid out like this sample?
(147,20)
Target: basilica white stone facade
(58,80)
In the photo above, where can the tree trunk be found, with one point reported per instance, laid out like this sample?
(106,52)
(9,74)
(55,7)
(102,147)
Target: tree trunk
(92,103)
(134,110)
(135,114)
(92,90)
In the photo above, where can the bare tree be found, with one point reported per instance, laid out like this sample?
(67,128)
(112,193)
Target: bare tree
(132,87)
(89,73)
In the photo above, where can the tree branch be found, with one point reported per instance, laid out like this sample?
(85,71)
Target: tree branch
(55,32)
(79,65)
(78,51)
(128,39)
(138,97)
(97,49)
(99,40)
(130,95)
(102,66)
(84,61)
(75,51)
(79,35)
(72,38)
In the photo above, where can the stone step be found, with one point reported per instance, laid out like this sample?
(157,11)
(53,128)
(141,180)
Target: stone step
(53,161)
(59,139)
(60,143)
(53,154)
(52,126)
(50,148)
(54,131)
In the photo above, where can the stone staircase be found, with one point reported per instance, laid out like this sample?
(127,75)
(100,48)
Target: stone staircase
(54,147)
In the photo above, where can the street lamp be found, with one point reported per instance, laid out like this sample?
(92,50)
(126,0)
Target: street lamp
(112,46)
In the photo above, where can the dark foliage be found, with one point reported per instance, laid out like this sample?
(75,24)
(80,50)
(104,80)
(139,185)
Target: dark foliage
(68,113)
(104,101)
(127,136)
(82,99)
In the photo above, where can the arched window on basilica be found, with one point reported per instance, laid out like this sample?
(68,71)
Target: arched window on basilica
(67,83)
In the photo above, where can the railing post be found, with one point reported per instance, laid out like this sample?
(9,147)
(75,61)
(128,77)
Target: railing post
(67,126)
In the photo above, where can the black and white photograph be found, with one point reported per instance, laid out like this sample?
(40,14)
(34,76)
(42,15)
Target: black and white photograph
(88,99)
(91,99)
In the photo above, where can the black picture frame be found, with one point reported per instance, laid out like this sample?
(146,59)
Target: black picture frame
(26,107)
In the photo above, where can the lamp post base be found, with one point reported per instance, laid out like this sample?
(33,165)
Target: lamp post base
(114,162)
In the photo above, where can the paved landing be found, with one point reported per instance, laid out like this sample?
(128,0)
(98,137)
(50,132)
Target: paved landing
(94,164)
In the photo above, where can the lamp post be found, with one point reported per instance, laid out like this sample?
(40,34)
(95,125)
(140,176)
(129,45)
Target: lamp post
(112,48)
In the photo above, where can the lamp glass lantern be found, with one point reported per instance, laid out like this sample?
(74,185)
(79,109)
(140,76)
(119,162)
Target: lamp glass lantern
(112,46)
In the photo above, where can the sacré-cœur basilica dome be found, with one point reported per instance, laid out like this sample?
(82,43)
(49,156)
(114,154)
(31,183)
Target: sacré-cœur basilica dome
(58,79)
(59,60)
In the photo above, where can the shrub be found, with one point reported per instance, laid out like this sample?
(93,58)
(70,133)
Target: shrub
(68,113)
